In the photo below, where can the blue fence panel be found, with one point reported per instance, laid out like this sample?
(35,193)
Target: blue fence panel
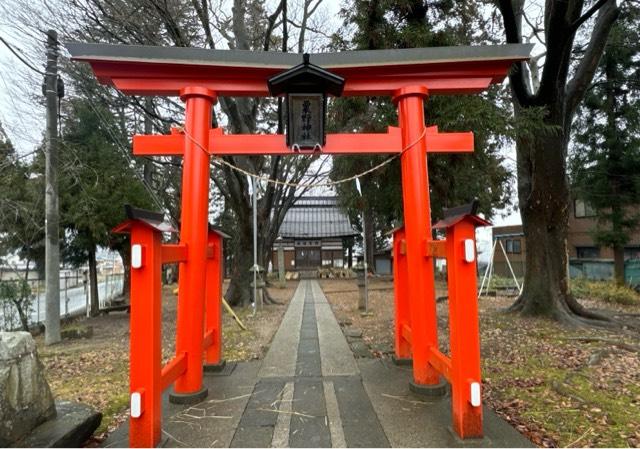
(593,269)
(632,272)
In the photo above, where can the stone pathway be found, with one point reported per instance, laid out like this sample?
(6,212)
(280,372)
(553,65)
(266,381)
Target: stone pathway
(310,391)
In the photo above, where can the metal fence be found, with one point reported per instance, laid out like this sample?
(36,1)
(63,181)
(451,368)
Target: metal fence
(602,269)
(74,297)
(632,272)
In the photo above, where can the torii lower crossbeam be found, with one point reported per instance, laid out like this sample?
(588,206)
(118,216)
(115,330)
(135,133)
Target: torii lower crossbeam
(221,144)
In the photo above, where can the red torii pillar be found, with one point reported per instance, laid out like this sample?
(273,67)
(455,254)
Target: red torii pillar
(213,298)
(193,234)
(417,220)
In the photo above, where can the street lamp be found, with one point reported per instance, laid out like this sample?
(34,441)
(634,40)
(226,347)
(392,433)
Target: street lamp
(306,87)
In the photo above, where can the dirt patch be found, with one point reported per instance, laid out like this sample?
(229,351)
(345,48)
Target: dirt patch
(557,386)
(96,370)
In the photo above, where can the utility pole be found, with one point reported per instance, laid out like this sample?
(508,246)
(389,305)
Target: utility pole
(364,250)
(52,219)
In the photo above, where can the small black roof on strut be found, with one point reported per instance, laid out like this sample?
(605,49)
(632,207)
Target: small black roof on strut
(306,78)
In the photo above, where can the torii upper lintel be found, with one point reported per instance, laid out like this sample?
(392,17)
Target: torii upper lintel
(144,70)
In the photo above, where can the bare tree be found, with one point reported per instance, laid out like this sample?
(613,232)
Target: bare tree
(543,190)
(238,24)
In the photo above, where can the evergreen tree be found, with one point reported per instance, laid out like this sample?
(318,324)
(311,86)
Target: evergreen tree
(21,227)
(97,181)
(21,206)
(605,163)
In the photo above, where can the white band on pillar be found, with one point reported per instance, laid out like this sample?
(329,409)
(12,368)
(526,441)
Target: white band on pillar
(136,256)
(469,250)
(475,394)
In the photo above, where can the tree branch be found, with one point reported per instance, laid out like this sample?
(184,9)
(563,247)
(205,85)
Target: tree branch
(559,43)
(271,21)
(239,25)
(589,62)
(513,35)
(587,15)
(202,10)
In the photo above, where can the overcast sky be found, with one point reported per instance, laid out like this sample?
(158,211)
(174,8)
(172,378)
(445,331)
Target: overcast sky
(22,113)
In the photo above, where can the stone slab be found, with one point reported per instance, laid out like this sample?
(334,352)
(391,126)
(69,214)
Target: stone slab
(309,432)
(358,435)
(262,407)
(337,358)
(411,422)
(280,360)
(72,426)
(252,437)
(308,397)
(353,332)
(360,349)
(211,423)
(353,401)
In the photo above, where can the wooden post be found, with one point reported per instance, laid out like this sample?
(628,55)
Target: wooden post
(464,330)
(146,337)
(401,296)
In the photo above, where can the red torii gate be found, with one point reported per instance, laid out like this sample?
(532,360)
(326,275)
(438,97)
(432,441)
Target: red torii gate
(199,76)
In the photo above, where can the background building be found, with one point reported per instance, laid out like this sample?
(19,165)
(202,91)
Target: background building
(586,258)
(315,233)
(512,240)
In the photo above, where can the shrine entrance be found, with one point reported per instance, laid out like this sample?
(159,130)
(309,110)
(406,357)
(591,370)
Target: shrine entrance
(199,77)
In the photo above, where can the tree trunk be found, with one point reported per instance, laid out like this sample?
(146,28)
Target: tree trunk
(370,234)
(239,291)
(125,255)
(618,264)
(20,302)
(24,320)
(543,192)
(93,283)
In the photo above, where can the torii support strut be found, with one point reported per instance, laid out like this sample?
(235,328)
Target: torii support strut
(408,76)
(148,378)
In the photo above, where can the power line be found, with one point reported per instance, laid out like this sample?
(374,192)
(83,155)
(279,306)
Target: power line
(15,106)
(17,158)
(17,55)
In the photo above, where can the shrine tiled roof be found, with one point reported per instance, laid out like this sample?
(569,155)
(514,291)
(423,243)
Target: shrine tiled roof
(316,217)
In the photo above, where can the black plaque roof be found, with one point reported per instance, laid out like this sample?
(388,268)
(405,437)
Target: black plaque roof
(304,78)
